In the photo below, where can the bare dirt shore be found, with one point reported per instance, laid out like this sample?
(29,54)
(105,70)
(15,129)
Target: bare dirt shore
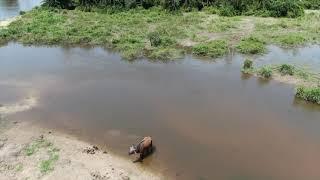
(30,152)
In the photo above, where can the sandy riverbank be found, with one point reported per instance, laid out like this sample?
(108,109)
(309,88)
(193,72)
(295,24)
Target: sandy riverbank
(30,152)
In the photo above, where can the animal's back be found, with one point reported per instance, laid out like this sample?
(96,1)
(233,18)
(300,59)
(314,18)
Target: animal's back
(146,142)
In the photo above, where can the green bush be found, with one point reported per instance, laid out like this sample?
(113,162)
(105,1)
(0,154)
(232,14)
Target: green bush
(286,69)
(311,94)
(311,4)
(154,38)
(212,49)
(227,11)
(22,12)
(248,64)
(63,4)
(251,45)
(171,5)
(265,72)
(286,8)
(278,8)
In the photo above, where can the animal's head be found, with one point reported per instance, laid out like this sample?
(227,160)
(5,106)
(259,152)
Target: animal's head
(132,150)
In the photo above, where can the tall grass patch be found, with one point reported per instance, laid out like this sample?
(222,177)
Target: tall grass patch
(311,94)
(265,72)
(251,45)
(211,49)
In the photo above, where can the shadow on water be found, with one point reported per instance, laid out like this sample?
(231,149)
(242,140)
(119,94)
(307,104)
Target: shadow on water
(207,120)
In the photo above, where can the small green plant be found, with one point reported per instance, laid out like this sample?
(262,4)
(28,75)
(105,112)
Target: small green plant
(311,94)
(36,145)
(154,38)
(265,72)
(19,167)
(251,45)
(247,66)
(212,49)
(286,69)
(48,165)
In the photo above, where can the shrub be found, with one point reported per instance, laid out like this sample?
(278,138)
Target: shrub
(286,69)
(247,64)
(171,5)
(227,11)
(265,72)
(251,45)
(286,8)
(212,49)
(154,38)
(311,94)
(63,4)
(22,12)
(289,8)
(311,4)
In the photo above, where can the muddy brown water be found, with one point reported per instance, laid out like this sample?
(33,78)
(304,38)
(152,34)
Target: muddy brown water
(10,8)
(207,120)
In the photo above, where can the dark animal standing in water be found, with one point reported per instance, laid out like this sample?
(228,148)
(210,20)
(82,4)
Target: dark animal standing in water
(143,148)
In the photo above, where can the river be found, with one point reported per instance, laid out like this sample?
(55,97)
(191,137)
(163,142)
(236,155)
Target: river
(207,120)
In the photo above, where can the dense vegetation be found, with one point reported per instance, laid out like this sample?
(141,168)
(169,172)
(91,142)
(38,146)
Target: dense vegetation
(150,32)
(311,4)
(275,8)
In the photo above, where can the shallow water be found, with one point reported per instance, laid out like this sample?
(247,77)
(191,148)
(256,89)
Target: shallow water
(10,8)
(207,120)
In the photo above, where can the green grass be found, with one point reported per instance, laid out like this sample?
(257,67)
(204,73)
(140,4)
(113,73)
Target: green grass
(296,72)
(291,39)
(19,167)
(128,32)
(222,24)
(159,34)
(265,72)
(211,49)
(287,69)
(251,45)
(48,165)
(311,94)
(288,32)
(36,145)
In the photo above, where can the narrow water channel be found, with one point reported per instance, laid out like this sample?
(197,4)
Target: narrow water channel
(207,120)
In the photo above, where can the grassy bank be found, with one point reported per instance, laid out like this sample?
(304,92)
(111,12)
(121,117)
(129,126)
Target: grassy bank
(134,32)
(283,72)
(307,82)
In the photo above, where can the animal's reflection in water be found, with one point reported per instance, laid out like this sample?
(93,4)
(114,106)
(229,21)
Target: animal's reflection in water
(144,148)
